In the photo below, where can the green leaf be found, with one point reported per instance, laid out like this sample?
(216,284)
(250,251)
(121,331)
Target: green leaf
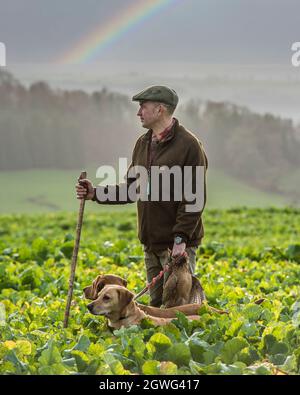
(209,357)
(83,343)
(70,362)
(118,369)
(96,349)
(92,367)
(7,251)
(234,369)
(69,237)
(253,312)
(248,356)
(277,359)
(160,341)
(172,332)
(196,368)
(81,360)
(32,276)
(115,365)
(55,369)
(182,321)
(296,313)
(20,367)
(293,252)
(40,248)
(268,342)
(290,364)
(198,347)
(51,355)
(179,354)
(260,370)
(67,248)
(263,371)
(279,348)
(151,367)
(24,347)
(249,329)
(139,346)
(167,367)
(231,348)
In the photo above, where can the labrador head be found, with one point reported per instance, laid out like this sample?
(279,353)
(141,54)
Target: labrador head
(91,292)
(112,300)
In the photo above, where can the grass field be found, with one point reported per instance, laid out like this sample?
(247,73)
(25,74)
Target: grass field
(54,190)
(246,255)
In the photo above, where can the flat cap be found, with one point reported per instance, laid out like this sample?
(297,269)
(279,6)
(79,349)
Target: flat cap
(159,93)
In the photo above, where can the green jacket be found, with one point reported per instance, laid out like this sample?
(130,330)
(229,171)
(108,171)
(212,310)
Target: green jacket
(160,221)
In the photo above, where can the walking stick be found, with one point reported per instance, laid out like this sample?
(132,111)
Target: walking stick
(82,176)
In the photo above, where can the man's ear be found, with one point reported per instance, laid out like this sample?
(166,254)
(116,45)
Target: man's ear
(125,297)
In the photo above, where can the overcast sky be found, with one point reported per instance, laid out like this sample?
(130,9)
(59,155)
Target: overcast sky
(210,31)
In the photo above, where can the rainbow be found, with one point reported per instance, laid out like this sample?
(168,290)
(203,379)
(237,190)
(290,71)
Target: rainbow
(101,37)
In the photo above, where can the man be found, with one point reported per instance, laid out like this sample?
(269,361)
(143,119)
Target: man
(161,224)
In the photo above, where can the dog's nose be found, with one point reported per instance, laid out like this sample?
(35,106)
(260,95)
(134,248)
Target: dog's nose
(90,307)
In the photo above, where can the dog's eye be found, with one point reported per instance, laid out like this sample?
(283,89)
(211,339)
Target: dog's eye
(106,298)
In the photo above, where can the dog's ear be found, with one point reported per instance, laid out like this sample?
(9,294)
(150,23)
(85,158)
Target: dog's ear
(97,286)
(124,282)
(125,297)
(91,292)
(87,291)
(114,279)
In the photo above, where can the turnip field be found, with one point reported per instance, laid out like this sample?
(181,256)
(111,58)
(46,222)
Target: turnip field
(246,255)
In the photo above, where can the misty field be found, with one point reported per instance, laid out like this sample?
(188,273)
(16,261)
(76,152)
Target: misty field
(36,191)
(246,255)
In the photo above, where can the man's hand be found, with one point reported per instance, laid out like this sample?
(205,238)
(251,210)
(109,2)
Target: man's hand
(85,190)
(178,249)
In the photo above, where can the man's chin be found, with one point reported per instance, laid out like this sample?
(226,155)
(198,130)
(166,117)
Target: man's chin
(145,125)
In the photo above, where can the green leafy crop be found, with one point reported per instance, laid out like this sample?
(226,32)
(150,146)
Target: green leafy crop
(247,256)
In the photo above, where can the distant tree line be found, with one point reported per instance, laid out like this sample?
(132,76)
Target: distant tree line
(260,149)
(45,128)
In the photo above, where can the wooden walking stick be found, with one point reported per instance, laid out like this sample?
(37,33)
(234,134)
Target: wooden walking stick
(82,176)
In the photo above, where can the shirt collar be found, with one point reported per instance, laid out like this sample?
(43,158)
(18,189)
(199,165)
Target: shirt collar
(164,134)
(174,128)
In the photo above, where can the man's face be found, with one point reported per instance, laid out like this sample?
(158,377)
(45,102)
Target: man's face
(149,113)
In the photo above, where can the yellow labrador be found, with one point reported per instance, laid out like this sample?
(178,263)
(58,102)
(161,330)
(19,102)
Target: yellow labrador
(116,303)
